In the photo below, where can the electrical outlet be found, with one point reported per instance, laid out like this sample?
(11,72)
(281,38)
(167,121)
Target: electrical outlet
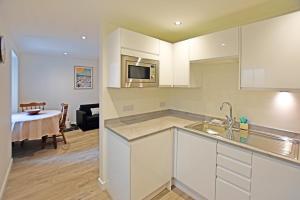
(127,108)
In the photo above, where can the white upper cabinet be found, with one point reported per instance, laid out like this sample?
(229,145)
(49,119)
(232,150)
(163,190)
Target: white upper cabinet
(274,179)
(125,42)
(181,64)
(166,64)
(114,59)
(219,45)
(138,42)
(215,45)
(270,53)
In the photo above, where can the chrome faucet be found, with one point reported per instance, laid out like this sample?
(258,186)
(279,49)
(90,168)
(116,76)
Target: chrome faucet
(229,119)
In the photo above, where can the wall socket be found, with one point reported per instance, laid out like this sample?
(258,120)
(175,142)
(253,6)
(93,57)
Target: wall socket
(162,104)
(127,108)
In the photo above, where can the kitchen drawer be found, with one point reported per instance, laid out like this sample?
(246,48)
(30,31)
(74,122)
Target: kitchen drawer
(234,165)
(235,179)
(235,153)
(227,191)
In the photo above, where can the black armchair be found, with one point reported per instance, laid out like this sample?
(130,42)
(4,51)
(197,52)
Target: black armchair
(84,118)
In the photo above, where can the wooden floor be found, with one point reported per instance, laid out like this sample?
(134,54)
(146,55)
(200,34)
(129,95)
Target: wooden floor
(67,173)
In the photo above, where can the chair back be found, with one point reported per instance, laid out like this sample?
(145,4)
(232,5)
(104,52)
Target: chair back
(63,118)
(32,105)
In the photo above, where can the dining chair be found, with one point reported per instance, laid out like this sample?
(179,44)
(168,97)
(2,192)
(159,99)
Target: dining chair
(32,105)
(62,124)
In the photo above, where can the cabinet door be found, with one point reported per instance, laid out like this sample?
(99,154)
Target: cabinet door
(274,179)
(215,45)
(114,60)
(165,64)
(151,164)
(181,64)
(139,42)
(270,53)
(196,163)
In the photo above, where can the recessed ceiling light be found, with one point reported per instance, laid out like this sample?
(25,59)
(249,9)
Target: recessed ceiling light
(66,53)
(177,23)
(83,37)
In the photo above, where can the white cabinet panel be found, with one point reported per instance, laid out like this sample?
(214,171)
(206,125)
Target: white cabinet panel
(234,152)
(139,42)
(227,191)
(181,64)
(274,179)
(270,53)
(151,164)
(234,178)
(234,165)
(114,60)
(137,169)
(196,163)
(215,45)
(166,64)
(118,167)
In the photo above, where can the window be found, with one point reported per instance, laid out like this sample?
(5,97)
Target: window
(14,82)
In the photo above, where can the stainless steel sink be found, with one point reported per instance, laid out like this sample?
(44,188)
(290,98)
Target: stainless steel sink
(281,145)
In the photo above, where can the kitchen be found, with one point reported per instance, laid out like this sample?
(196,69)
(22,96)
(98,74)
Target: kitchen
(166,131)
(197,99)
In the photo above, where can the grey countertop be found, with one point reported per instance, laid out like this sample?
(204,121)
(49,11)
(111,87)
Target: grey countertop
(138,130)
(132,128)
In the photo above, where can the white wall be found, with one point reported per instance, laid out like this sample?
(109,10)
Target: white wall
(5,110)
(220,83)
(51,79)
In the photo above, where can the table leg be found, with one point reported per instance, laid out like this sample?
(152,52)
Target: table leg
(44,141)
(54,141)
(22,143)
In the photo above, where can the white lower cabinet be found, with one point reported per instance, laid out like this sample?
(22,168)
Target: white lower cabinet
(228,191)
(202,167)
(233,173)
(137,169)
(274,179)
(151,163)
(196,163)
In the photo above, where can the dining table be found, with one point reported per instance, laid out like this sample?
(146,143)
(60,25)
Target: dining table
(32,127)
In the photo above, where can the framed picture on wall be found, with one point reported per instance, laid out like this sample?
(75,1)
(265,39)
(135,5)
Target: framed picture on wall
(83,77)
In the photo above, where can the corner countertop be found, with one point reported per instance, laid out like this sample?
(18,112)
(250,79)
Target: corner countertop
(132,128)
(142,129)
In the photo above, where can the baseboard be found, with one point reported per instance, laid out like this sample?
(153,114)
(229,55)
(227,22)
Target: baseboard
(159,191)
(187,190)
(102,184)
(5,179)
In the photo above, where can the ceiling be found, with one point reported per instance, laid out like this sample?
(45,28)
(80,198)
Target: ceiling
(56,26)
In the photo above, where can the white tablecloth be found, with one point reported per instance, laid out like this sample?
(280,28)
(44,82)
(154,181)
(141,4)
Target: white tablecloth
(33,127)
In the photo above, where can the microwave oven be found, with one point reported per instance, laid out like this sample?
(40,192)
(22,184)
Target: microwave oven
(139,72)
